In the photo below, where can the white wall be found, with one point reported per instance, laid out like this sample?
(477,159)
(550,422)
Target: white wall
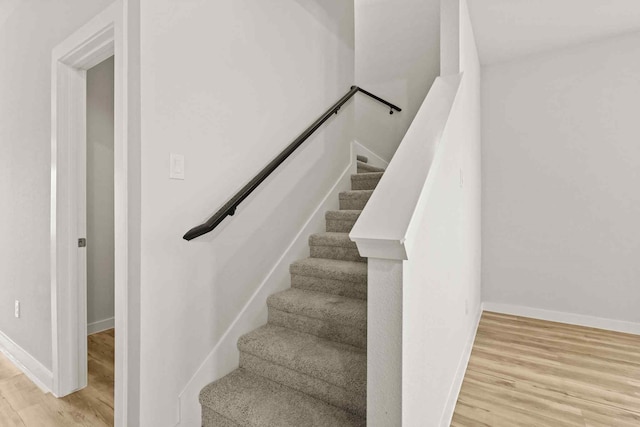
(397,58)
(442,293)
(100,195)
(561,172)
(228,84)
(27,37)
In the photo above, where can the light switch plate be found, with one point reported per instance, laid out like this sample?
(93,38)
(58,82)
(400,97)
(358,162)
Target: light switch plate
(176,166)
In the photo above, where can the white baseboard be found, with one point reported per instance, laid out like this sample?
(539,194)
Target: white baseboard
(562,317)
(449,409)
(101,326)
(224,357)
(374,159)
(32,368)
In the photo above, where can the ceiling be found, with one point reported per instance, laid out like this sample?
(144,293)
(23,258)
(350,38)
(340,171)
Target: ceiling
(511,29)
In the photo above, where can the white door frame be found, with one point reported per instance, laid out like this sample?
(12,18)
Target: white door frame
(96,41)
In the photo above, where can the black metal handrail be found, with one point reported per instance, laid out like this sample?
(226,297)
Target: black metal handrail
(229,208)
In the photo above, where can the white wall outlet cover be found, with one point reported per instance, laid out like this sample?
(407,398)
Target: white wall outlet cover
(176,166)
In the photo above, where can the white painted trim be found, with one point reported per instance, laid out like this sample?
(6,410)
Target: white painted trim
(382,248)
(100,38)
(563,317)
(127,200)
(452,400)
(29,365)
(374,159)
(254,314)
(383,227)
(101,326)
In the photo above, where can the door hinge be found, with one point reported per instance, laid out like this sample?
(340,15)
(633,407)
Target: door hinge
(82,242)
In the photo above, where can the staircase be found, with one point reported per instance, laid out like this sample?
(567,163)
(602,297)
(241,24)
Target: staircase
(308,365)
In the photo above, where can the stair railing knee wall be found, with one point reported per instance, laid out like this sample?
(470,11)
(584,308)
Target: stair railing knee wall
(229,208)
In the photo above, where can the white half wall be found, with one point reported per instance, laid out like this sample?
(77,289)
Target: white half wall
(442,292)
(561,164)
(229,84)
(100,196)
(27,36)
(421,230)
(397,58)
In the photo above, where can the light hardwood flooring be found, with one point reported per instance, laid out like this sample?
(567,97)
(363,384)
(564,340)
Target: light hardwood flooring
(526,372)
(25,405)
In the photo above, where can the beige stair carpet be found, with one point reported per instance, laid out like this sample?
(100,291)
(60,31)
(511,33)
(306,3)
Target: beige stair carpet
(308,365)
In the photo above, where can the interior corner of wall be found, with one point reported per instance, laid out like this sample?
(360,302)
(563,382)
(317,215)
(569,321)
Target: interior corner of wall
(359,148)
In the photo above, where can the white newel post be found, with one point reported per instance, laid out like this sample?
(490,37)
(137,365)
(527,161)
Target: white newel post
(384,323)
(384,343)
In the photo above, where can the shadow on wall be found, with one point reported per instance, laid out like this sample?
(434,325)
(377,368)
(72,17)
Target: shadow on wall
(397,58)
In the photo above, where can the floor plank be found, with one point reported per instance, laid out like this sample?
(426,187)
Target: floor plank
(23,404)
(527,372)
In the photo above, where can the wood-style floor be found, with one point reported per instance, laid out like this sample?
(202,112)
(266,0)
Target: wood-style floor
(25,405)
(526,372)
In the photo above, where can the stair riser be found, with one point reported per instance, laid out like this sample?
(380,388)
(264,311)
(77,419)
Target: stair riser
(336,252)
(366,168)
(330,286)
(339,226)
(364,184)
(346,334)
(352,401)
(211,418)
(354,203)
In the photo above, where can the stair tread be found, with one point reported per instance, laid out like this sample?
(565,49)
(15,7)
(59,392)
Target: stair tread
(319,305)
(252,400)
(350,271)
(363,159)
(354,199)
(344,215)
(367,167)
(332,238)
(366,176)
(355,194)
(341,365)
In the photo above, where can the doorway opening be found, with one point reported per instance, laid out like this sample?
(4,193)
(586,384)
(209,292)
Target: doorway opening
(75,258)
(100,235)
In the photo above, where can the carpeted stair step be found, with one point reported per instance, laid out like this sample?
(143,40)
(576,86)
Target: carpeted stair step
(365,181)
(332,372)
(333,317)
(341,221)
(308,365)
(355,199)
(364,168)
(363,159)
(347,271)
(346,278)
(243,399)
(334,246)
